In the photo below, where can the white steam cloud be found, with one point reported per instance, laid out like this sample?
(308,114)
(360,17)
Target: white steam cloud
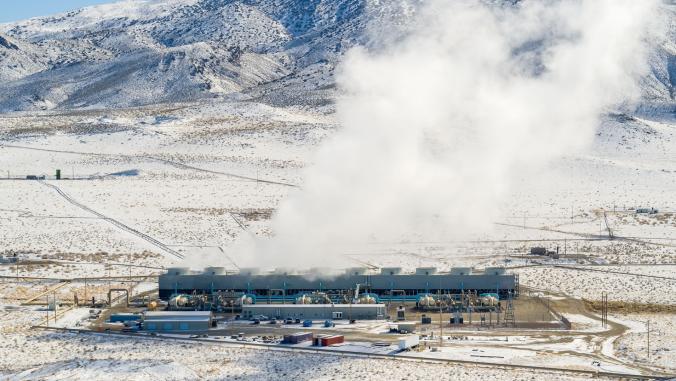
(437,125)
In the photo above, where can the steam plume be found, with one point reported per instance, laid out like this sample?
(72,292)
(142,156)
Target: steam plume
(436,126)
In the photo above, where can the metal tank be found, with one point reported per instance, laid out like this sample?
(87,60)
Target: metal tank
(427,301)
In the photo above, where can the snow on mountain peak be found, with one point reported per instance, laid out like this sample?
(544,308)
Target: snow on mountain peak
(138,52)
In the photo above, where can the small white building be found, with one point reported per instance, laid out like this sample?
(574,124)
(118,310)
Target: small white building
(177,321)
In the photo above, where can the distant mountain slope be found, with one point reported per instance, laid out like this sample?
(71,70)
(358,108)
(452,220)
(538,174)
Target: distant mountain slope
(18,59)
(139,52)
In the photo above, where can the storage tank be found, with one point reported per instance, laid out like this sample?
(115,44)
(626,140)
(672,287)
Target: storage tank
(178,271)
(180,301)
(426,301)
(425,271)
(489,300)
(214,270)
(461,271)
(495,271)
(303,299)
(390,271)
(366,299)
(356,271)
(245,299)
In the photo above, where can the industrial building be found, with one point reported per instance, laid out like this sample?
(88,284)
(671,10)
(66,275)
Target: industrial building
(316,311)
(251,286)
(177,321)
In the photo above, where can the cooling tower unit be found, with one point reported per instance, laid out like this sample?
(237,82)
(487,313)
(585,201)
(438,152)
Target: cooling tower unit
(461,271)
(214,270)
(356,271)
(425,271)
(390,271)
(179,271)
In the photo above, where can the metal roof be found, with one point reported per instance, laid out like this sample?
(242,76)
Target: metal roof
(177,315)
(191,319)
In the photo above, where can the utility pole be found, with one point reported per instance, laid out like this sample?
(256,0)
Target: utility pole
(441,326)
(648,340)
(604,309)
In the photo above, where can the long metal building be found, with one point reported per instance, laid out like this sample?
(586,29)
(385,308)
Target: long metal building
(390,284)
(316,311)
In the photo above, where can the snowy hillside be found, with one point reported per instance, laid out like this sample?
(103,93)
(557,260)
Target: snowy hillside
(139,52)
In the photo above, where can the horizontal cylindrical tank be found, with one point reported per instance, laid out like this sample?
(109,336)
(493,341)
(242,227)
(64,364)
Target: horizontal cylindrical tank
(425,271)
(179,271)
(426,301)
(214,270)
(180,301)
(390,271)
(367,299)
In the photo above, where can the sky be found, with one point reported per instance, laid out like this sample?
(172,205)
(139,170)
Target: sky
(23,9)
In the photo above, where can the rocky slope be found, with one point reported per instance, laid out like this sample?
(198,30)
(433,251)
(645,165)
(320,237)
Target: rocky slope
(140,52)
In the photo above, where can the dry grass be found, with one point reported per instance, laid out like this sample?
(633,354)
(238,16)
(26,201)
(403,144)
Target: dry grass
(630,307)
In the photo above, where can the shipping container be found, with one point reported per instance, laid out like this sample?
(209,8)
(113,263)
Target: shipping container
(317,340)
(332,340)
(296,338)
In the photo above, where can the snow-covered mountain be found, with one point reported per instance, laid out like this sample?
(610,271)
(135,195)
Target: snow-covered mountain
(139,52)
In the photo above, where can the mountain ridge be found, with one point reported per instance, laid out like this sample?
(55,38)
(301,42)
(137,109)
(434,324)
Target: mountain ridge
(141,52)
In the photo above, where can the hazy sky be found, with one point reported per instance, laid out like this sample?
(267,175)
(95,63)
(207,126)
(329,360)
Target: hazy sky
(23,9)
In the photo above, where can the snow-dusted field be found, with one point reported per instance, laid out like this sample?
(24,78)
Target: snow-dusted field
(98,358)
(186,175)
(634,346)
(620,287)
